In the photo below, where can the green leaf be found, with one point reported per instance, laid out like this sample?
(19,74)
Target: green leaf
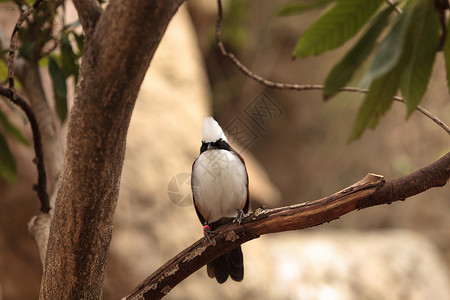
(12,130)
(3,70)
(447,55)
(378,100)
(336,26)
(422,42)
(43,62)
(343,71)
(391,47)
(59,88)
(27,50)
(68,57)
(7,162)
(295,8)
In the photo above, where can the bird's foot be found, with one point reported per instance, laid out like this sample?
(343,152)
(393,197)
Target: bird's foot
(207,232)
(240,216)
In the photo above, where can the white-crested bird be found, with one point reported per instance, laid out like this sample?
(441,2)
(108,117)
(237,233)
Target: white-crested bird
(219,184)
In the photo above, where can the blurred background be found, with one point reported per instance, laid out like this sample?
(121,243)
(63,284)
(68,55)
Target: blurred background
(296,148)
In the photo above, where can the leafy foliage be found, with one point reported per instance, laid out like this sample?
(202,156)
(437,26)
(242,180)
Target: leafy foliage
(336,26)
(59,87)
(377,101)
(422,42)
(343,71)
(402,58)
(391,48)
(7,162)
(234,33)
(43,44)
(12,130)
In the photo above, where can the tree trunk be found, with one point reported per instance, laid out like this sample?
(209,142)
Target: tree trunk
(119,45)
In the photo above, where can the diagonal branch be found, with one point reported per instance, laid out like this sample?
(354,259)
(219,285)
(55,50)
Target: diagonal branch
(301,87)
(370,191)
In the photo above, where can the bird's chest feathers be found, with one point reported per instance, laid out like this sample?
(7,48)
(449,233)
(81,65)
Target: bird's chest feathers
(220,184)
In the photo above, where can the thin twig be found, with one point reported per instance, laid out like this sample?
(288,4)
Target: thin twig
(400,99)
(11,94)
(301,87)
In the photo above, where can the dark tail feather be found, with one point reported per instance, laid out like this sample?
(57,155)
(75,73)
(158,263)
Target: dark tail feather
(230,264)
(221,268)
(236,261)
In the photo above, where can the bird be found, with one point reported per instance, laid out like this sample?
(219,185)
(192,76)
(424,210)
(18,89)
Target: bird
(219,183)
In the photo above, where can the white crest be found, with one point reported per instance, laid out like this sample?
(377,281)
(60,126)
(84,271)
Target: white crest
(211,131)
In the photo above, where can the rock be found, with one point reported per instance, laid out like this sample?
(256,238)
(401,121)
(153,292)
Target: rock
(388,265)
(331,265)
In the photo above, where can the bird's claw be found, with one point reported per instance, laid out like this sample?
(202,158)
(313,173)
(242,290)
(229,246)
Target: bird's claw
(206,232)
(240,216)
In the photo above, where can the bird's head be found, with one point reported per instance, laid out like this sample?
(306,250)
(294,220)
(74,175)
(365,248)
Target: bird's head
(212,132)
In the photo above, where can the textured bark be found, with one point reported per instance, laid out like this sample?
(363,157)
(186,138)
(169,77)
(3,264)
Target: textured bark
(28,74)
(118,51)
(39,229)
(89,13)
(370,191)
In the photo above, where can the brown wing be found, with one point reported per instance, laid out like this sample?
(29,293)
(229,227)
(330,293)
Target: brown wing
(247,201)
(199,214)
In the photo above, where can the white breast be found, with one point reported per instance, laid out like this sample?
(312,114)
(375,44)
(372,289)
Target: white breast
(219,181)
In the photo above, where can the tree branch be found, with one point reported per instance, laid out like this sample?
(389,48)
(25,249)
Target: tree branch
(89,12)
(370,191)
(28,75)
(41,187)
(300,87)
